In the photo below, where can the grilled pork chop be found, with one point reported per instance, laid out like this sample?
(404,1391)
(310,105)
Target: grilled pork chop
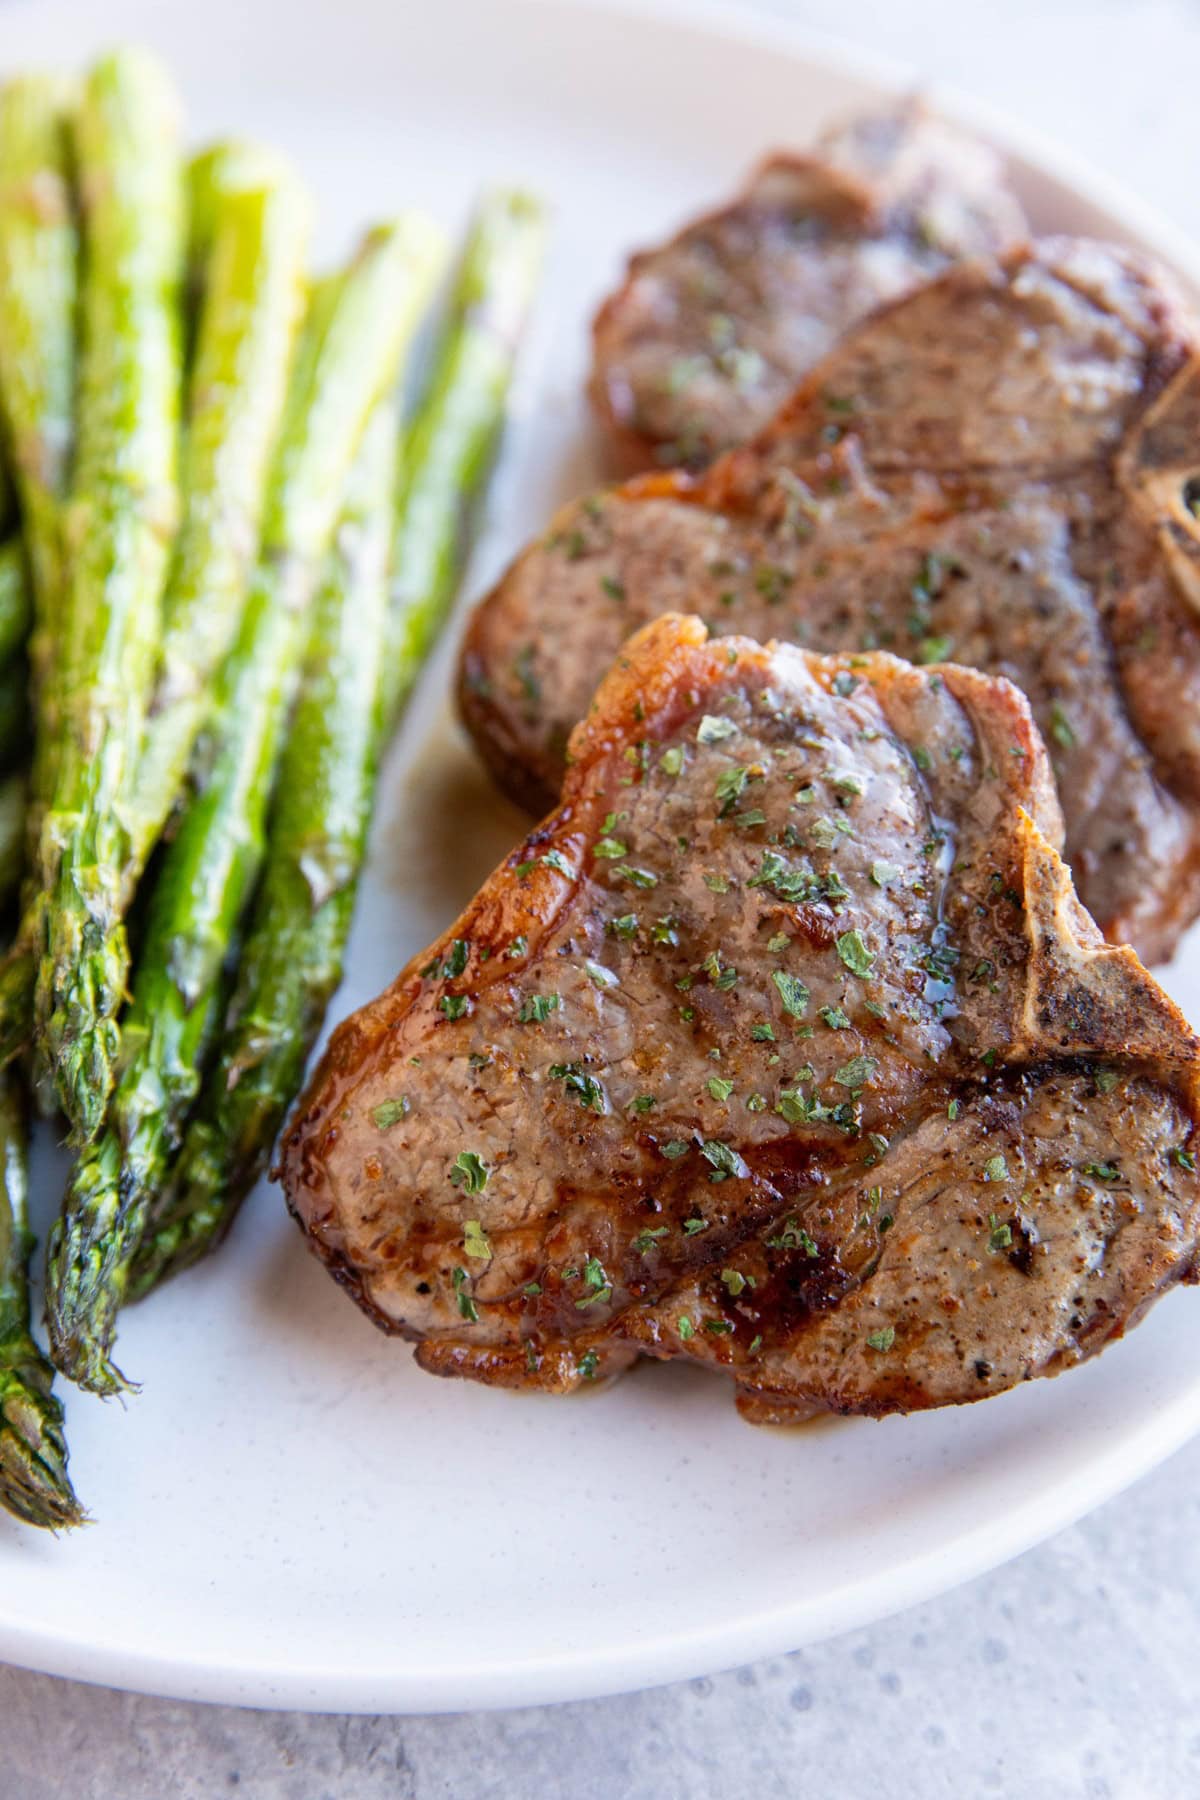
(998,469)
(708,334)
(783,1045)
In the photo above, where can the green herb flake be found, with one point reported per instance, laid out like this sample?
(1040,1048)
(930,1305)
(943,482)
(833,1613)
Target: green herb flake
(671,761)
(466,1305)
(995,1169)
(588,1364)
(640,878)
(857,1072)
(1061,729)
(641,1103)
(835,1018)
(854,953)
(536,1008)
(685,1327)
(646,1240)
(999,1234)
(882,1339)
(475,1241)
(1103,1171)
(793,994)
(675,1149)
(763,1032)
(469,1172)
(883,872)
(454,1006)
(735,1282)
(390,1112)
(586,1089)
(692,1226)
(624,927)
(724,1160)
(1183,1158)
(720,1090)
(554,859)
(611,848)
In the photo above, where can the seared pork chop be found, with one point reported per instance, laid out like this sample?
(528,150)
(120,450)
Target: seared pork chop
(708,334)
(783,1045)
(998,469)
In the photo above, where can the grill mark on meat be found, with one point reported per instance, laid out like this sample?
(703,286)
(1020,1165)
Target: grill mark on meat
(1021,436)
(950,1148)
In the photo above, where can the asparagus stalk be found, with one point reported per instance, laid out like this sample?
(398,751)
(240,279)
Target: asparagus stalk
(252,304)
(39,254)
(447,459)
(39,246)
(357,330)
(292,957)
(33,1454)
(121,520)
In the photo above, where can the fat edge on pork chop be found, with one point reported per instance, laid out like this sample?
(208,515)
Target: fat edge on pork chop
(709,333)
(782,1046)
(996,470)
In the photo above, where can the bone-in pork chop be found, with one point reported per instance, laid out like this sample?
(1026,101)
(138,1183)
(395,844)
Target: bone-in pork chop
(1001,470)
(783,1045)
(709,333)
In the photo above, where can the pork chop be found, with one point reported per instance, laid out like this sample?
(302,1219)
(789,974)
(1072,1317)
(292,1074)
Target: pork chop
(999,469)
(709,333)
(783,1045)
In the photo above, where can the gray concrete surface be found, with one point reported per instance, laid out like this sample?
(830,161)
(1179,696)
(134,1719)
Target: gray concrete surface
(1074,1674)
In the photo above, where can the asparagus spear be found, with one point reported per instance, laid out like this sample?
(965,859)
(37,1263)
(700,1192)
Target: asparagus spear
(448,455)
(38,303)
(357,330)
(253,296)
(33,1454)
(292,958)
(38,298)
(121,520)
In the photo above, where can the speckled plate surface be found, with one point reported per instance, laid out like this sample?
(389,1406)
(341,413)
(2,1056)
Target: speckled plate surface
(290,1514)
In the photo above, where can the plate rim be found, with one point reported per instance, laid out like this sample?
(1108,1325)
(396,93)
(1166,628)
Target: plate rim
(793,1621)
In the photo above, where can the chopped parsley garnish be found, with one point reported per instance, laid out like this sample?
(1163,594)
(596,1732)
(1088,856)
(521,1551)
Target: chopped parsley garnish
(645,1240)
(390,1112)
(587,1365)
(475,1241)
(1061,729)
(676,1148)
(585,1087)
(554,859)
(724,1160)
(469,1172)
(692,1226)
(854,953)
(641,878)
(466,1305)
(835,1018)
(641,1103)
(730,786)
(625,926)
(792,993)
(883,872)
(882,1339)
(857,1072)
(685,1327)
(671,761)
(735,1282)
(720,1090)
(999,1234)
(456,962)
(536,1008)
(763,1032)
(454,1005)
(1183,1157)
(1103,1171)
(995,1169)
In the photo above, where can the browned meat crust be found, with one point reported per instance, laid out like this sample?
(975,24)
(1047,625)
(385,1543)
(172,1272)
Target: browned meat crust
(783,1045)
(709,333)
(998,469)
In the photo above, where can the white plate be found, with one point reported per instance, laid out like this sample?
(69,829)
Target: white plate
(290,1514)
